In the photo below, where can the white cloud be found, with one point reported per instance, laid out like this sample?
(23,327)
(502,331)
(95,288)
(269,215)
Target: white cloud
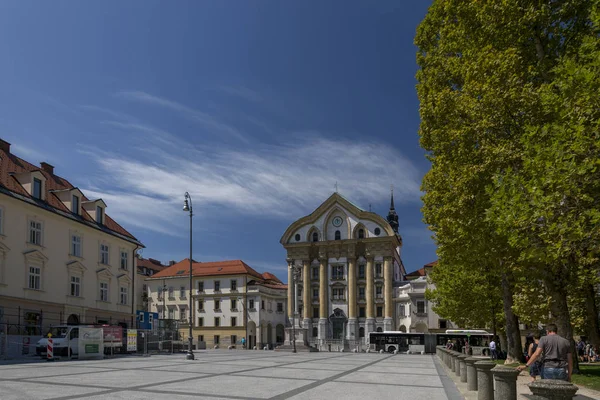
(280,181)
(211,123)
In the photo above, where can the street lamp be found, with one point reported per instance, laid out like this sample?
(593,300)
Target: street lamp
(187,206)
(295,274)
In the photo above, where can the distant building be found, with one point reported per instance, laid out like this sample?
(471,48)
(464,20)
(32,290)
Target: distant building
(62,258)
(414,311)
(350,260)
(146,267)
(231,301)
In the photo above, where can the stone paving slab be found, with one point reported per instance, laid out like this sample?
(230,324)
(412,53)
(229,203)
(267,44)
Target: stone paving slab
(355,391)
(232,375)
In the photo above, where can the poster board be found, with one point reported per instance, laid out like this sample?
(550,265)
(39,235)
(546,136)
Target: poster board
(91,343)
(131,339)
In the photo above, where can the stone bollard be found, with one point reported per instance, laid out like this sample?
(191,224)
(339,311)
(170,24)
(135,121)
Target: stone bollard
(457,364)
(485,385)
(471,373)
(505,380)
(552,389)
(463,367)
(451,360)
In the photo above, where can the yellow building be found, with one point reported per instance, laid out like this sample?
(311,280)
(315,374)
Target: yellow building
(350,260)
(62,258)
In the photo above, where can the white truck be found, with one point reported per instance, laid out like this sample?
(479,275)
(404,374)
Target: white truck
(65,340)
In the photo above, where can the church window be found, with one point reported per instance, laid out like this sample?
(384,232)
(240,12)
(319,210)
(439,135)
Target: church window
(361,271)
(361,312)
(315,332)
(297,237)
(361,332)
(361,233)
(377,231)
(315,237)
(338,235)
(337,272)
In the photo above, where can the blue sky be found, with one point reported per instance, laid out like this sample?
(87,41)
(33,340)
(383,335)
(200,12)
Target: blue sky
(256,108)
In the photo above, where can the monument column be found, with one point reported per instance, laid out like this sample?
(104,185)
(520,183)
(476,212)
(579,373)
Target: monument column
(306,301)
(323,298)
(370,322)
(352,333)
(388,291)
(290,296)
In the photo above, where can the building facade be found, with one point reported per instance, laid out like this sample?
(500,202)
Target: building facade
(146,267)
(350,262)
(231,301)
(415,312)
(62,258)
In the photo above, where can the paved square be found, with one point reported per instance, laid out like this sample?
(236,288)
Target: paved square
(222,374)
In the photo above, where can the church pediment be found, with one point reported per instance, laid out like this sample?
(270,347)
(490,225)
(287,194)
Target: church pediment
(336,219)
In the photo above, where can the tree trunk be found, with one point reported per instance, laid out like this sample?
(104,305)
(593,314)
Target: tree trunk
(560,314)
(591,310)
(514,351)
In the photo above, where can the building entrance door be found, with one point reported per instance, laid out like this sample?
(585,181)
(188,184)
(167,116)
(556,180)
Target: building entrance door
(338,321)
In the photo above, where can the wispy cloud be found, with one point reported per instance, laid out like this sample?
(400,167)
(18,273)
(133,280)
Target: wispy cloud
(101,110)
(278,181)
(210,122)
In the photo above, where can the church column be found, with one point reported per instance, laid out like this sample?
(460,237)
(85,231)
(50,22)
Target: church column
(388,282)
(323,298)
(352,332)
(306,301)
(370,322)
(290,296)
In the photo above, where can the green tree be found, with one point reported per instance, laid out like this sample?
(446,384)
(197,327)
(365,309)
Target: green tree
(484,66)
(549,206)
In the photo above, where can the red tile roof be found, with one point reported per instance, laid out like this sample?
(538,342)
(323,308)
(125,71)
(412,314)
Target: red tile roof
(10,164)
(150,263)
(270,277)
(415,274)
(432,264)
(232,267)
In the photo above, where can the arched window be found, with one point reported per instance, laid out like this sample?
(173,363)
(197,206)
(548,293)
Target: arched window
(379,329)
(297,237)
(361,233)
(338,235)
(315,237)
(361,332)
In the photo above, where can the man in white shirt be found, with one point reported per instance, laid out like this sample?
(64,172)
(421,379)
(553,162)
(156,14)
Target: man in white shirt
(493,352)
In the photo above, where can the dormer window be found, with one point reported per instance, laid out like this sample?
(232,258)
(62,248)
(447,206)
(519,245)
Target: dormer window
(99,214)
(75,204)
(315,237)
(338,235)
(361,233)
(37,188)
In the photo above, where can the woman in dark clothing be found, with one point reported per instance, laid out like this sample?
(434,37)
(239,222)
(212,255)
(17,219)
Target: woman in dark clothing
(535,369)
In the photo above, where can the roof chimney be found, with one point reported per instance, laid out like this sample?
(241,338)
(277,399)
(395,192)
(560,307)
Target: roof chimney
(5,146)
(47,167)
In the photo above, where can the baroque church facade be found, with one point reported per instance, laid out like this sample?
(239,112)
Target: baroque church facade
(350,260)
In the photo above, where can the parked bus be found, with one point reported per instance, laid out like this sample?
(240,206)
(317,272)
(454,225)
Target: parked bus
(390,341)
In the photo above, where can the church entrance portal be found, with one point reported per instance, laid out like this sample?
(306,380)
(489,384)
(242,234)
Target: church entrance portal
(338,322)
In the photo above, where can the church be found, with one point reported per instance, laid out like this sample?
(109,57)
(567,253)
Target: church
(349,260)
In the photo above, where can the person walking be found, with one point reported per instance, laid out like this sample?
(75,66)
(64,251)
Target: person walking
(493,352)
(534,370)
(243,343)
(555,353)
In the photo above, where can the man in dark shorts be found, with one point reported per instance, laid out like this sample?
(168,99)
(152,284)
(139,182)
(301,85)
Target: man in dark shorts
(556,356)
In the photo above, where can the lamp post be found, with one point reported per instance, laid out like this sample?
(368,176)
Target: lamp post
(187,206)
(295,273)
